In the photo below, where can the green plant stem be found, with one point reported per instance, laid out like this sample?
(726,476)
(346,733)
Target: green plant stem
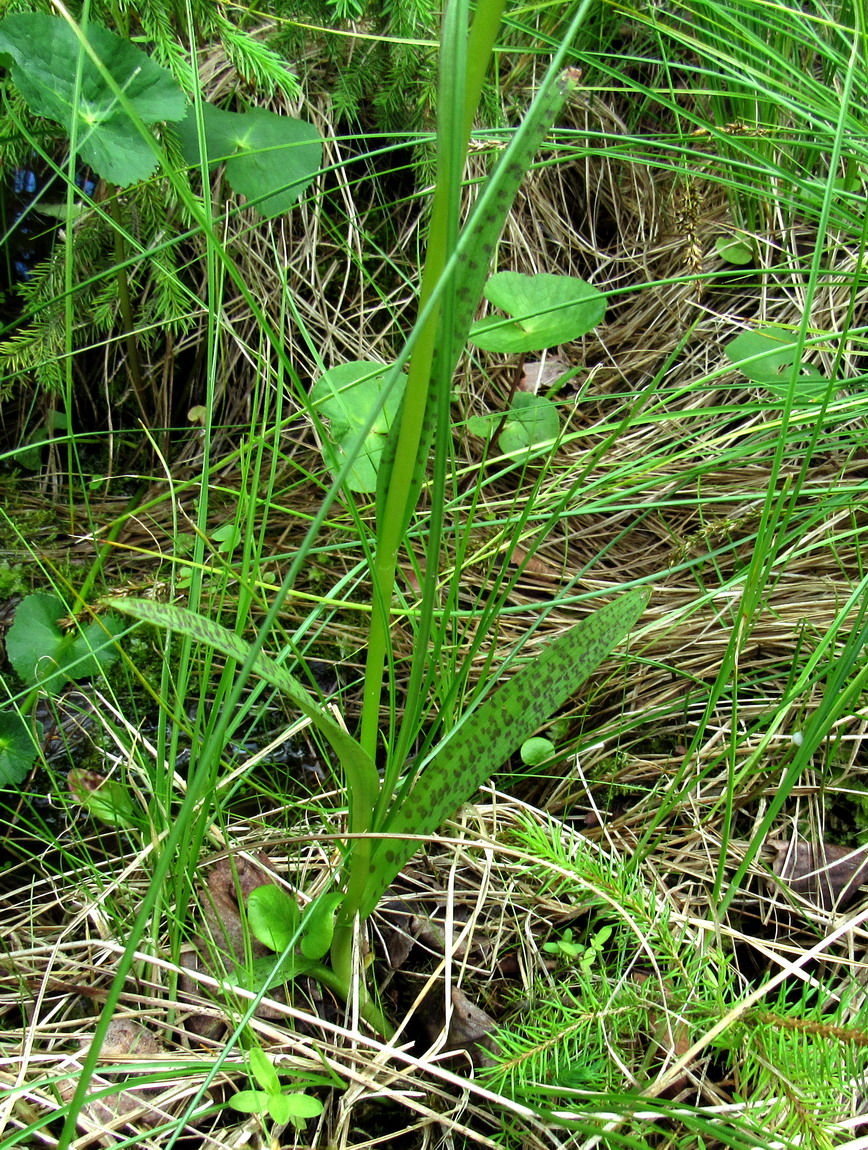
(464,60)
(453,139)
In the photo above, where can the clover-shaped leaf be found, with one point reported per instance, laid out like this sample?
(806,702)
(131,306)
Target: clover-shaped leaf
(270,159)
(547,310)
(43,53)
(347,395)
(767,356)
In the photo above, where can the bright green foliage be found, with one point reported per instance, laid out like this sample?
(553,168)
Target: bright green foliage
(43,655)
(18,747)
(768,356)
(273,916)
(277,923)
(294,1107)
(547,310)
(45,52)
(353,397)
(537,750)
(270,159)
(735,250)
(531,421)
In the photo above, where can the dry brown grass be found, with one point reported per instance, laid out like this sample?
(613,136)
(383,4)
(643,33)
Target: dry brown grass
(687,526)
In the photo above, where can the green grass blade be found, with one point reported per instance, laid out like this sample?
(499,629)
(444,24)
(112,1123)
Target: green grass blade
(360,771)
(479,745)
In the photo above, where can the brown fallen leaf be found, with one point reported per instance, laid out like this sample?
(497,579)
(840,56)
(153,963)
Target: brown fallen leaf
(539,375)
(224,942)
(825,874)
(132,1107)
(470,1028)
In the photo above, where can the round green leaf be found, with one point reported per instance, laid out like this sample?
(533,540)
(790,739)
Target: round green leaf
(347,395)
(250,1101)
(536,751)
(294,1108)
(734,250)
(270,159)
(273,916)
(547,310)
(41,653)
(531,422)
(767,356)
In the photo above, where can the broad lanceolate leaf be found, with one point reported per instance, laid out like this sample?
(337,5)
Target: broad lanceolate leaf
(361,773)
(490,734)
(270,159)
(45,51)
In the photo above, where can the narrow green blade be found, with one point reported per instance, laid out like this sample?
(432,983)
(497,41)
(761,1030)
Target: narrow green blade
(360,770)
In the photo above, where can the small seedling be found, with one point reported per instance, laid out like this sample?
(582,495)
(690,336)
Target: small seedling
(587,956)
(271,1098)
(564,946)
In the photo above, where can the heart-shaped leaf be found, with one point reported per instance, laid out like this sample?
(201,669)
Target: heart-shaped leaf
(767,356)
(18,747)
(547,310)
(42,654)
(531,421)
(346,395)
(734,250)
(270,159)
(44,52)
